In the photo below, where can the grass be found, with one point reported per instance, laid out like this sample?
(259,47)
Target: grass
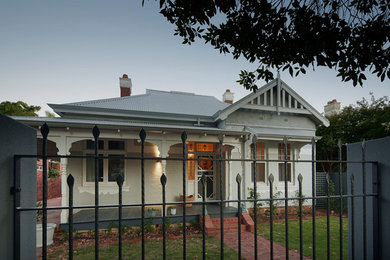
(321,245)
(153,249)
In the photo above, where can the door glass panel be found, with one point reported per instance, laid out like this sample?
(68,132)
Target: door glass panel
(209,187)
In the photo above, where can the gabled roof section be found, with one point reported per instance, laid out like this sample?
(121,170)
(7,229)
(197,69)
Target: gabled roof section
(154,101)
(276,96)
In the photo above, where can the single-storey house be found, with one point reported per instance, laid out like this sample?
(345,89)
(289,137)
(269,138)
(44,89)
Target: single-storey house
(272,113)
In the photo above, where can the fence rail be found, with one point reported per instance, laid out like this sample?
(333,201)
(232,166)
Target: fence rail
(221,201)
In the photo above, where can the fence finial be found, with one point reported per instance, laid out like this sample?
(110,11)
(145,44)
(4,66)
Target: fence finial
(300,178)
(45,130)
(254,139)
(142,135)
(119,180)
(95,131)
(184,136)
(70,180)
(271,178)
(238,178)
(163,179)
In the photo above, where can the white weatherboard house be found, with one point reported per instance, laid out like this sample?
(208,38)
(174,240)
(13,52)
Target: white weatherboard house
(271,114)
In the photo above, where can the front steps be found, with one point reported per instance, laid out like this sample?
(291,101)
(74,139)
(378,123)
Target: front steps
(230,224)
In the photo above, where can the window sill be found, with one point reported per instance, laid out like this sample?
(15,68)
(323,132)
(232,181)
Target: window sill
(103,189)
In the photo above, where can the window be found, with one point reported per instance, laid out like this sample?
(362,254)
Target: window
(281,156)
(116,167)
(90,169)
(108,169)
(260,166)
(91,145)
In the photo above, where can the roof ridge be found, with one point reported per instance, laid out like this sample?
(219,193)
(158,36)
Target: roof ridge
(105,100)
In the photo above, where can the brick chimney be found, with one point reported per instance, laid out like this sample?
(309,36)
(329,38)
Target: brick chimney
(228,97)
(332,108)
(125,85)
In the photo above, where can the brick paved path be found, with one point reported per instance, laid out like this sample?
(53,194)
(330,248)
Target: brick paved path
(263,247)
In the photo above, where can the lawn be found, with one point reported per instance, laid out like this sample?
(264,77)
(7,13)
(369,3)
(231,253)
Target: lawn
(293,236)
(153,249)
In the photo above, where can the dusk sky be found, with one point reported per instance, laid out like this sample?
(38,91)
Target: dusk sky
(68,51)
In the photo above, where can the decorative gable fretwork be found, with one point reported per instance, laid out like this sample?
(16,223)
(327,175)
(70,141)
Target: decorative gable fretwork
(276,99)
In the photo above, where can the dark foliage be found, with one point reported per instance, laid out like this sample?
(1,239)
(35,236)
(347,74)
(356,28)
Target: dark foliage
(363,121)
(349,36)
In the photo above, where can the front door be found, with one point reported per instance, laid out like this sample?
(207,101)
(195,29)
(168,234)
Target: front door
(205,166)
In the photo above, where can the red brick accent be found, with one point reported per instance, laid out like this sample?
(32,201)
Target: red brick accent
(125,92)
(210,228)
(53,184)
(248,222)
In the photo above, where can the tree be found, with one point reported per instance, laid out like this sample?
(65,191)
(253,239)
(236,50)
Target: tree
(349,36)
(19,108)
(363,121)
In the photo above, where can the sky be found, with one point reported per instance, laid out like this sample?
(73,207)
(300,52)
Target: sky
(68,51)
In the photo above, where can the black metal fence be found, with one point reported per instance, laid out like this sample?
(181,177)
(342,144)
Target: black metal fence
(142,158)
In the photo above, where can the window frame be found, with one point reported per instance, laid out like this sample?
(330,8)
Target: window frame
(104,152)
(290,165)
(261,154)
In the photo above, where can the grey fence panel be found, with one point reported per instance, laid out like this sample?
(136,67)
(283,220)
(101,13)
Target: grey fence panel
(16,138)
(377,210)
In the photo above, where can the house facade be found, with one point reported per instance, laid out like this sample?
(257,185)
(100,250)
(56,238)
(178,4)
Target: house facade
(273,114)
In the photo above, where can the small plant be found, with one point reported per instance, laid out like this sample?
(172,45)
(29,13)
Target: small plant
(54,173)
(111,226)
(91,233)
(77,234)
(194,223)
(65,234)
(152,212)
(168,224)
(296,202)
(125,228)
(138,231)
(149,227)
(252,196)
(179,226)
(39,212)
(172,210)
(274,203)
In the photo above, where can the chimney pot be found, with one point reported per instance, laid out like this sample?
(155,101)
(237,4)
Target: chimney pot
(228,97)
(125,76)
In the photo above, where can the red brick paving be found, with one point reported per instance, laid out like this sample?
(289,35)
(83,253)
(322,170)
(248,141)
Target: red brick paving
(263,247)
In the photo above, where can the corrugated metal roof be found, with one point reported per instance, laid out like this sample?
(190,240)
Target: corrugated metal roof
(172,102)
(58,121)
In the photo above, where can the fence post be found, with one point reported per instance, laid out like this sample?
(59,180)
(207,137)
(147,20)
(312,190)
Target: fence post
(70,181)
(238,180)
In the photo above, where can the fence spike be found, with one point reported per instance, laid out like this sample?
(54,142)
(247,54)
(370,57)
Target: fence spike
(95,131)
(300,178)
(163,179)
(184,136)
(70,180)
(45,130)
(339,144)
(119,180)
(254,139)
(271,178)
(220,137)
(238,178)
(142,135)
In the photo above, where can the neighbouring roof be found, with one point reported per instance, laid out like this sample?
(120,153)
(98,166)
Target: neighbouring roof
(155,101)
